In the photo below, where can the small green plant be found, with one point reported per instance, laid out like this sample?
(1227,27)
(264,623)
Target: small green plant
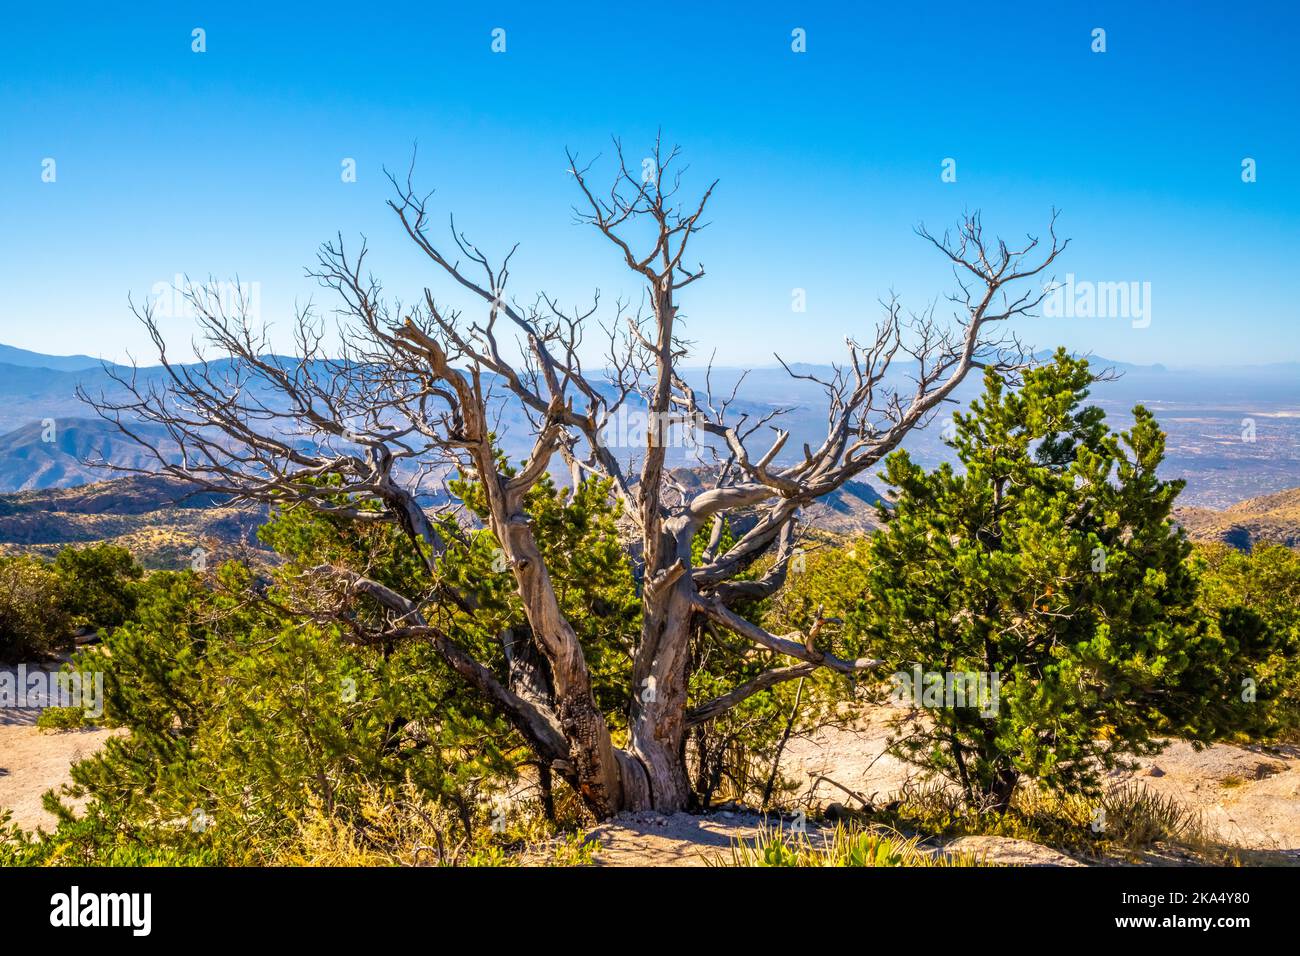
(573,849)
(1138,818)
(848,846)
(937,810)
(62,718)
(16,847)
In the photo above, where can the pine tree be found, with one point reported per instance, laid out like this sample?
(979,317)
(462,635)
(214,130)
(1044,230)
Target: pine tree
(1049,567)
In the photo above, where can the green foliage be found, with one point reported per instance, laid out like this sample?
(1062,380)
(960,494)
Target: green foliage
(62,718)
(261,725)
(847,846)
(33,620)
(400,826)
(1134,816)
(257,722)
(830,575)
(17,848)
(1124,820)
(577,533)
(735,754)
(98,585)
(89,840)
(1051,561)
(42,602)
(1253,600)
(241,719)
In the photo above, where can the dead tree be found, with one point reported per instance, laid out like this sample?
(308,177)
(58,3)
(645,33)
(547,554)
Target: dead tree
(409,396)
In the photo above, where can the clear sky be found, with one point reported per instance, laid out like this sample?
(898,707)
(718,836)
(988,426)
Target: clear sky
(228,162)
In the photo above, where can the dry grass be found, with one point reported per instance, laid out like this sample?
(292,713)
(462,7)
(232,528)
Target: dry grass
(405,829)
(848,846)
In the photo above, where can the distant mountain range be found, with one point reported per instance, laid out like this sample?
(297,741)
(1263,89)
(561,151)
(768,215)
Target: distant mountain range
(64,453)
(163,522)
(53,492)
(58,363)
(1207,415)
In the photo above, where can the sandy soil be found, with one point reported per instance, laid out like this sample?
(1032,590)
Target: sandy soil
(33,761)
(1248,797)
(848,765)
(653,839)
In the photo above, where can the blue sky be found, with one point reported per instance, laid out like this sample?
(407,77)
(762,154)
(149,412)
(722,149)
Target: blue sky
(228,162)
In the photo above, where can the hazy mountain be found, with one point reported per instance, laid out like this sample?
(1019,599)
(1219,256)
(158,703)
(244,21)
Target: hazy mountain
(59,363)
(61,452)
(1232,433)
(851,510)
(162,521)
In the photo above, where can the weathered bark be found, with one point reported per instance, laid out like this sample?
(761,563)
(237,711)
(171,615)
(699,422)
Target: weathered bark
(658,719)
(595,768)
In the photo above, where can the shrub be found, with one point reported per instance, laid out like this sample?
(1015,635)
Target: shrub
(1125,819)
(1253,601)
(736,755)
(62,718)
(98,585)
(33,622)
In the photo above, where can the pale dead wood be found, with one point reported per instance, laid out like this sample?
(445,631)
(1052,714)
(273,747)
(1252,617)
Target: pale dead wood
(412,397)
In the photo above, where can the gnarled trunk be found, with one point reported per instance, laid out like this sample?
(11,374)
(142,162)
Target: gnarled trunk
(658,719)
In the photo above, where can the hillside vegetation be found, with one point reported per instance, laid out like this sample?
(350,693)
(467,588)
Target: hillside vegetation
(159,521)
(1268,519)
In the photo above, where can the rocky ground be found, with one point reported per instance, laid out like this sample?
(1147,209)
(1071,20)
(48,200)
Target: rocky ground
(1248,797)
(683,839)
